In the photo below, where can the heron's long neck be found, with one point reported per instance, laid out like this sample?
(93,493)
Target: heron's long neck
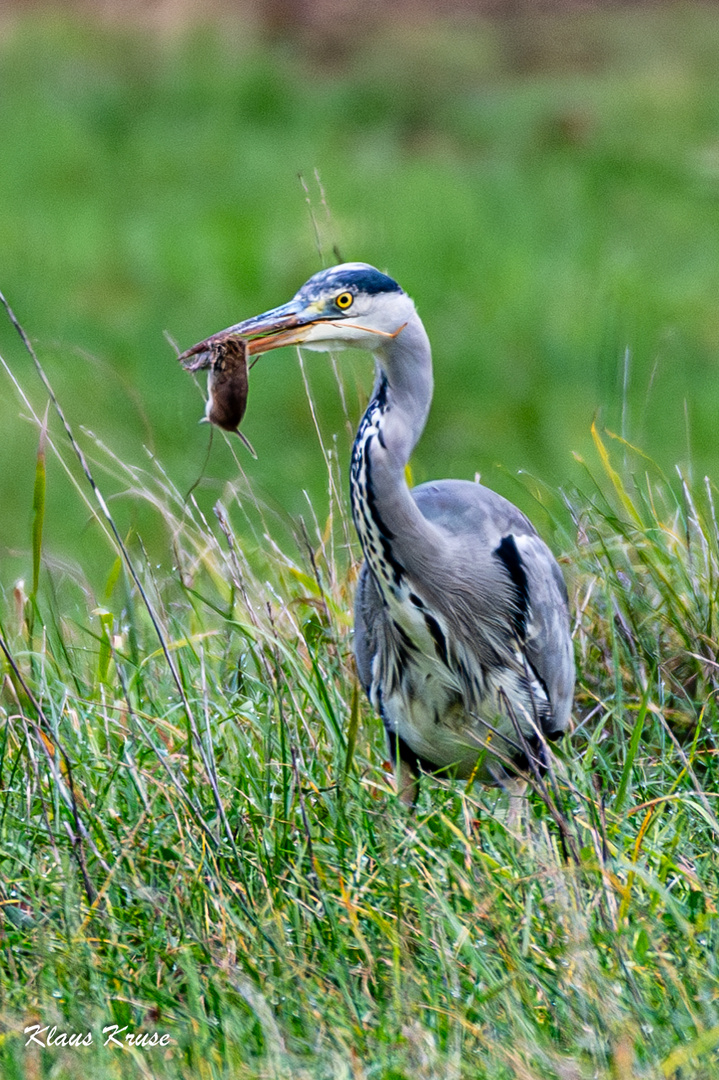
(386,517)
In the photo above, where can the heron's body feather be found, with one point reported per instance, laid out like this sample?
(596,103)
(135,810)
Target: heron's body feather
(486,645)
(461,618)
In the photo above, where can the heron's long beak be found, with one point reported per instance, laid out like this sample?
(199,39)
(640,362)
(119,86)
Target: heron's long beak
(284,325)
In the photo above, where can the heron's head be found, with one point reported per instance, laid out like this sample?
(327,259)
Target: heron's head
(351,305)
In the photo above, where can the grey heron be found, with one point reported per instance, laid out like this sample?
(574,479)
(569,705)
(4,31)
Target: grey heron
(462,635)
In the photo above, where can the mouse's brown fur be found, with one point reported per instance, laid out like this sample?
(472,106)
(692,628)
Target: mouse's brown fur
(227,382)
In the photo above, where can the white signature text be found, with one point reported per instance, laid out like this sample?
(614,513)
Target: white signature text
(113,1035)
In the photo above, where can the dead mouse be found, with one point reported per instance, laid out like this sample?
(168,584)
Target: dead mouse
(227,381)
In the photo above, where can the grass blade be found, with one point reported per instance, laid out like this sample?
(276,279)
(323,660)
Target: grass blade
(38,506)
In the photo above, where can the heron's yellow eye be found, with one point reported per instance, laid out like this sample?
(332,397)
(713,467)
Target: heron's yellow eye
(344,300)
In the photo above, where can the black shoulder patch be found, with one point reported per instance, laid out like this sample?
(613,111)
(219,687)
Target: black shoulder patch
(508,554)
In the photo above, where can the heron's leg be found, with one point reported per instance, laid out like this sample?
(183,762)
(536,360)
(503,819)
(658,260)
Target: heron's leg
(407,784)
(517,810)
(517,820)
(406,769)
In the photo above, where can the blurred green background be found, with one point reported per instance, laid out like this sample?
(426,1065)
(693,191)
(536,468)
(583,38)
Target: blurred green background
(545,187)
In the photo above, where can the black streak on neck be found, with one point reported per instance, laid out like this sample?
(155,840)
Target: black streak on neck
(361,456)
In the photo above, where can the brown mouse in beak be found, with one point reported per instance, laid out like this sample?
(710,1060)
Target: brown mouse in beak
(227,381)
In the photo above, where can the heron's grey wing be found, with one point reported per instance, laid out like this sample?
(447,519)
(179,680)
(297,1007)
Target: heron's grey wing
(462,507)
(548,642)
(376,638)
(368,609)
(501,544)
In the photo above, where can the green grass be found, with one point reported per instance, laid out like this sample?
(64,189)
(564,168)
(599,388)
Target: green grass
(198,834)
